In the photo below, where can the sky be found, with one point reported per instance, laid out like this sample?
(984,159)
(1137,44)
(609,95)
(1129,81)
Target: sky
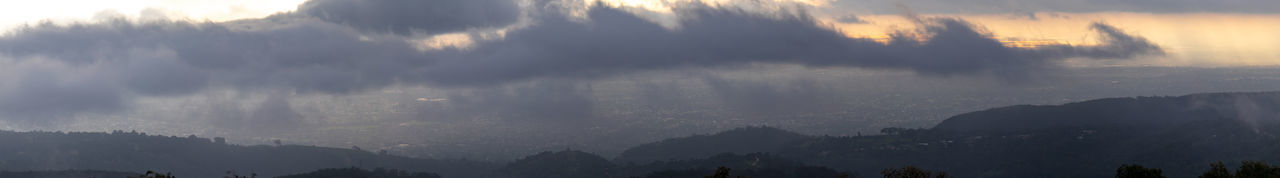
(493,79)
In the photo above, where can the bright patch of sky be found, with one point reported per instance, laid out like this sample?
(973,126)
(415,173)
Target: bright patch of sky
(16,13)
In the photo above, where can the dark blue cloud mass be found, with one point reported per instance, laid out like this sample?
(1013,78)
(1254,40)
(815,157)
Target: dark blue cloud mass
(340,47)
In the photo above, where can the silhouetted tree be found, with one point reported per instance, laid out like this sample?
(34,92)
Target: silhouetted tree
(891,130)
(232,174)
(1257,169)
(1137,171)
(1248,169)
(911,172)
(1217,170)
(153,174)
(563,164)
(722,172)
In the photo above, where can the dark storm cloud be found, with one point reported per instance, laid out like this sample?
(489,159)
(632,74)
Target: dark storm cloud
(163,77)
(167,58)
(1116,45)
(405,17)
(614,41)
(1023,6)
(180,58)
(306,55)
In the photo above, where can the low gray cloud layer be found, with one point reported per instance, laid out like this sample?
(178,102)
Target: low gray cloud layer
(408,16)
(336,50)
(850,19)
(124,58)
(40,94)
(164,58)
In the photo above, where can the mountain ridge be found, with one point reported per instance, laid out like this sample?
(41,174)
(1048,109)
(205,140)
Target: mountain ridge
(1181,134)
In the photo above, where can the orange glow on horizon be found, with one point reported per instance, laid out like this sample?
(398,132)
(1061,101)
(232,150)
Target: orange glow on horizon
(1197,39)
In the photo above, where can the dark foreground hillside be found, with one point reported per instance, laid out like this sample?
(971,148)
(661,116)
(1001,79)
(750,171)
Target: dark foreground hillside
(1181,135)
(740,141)
(576,164)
